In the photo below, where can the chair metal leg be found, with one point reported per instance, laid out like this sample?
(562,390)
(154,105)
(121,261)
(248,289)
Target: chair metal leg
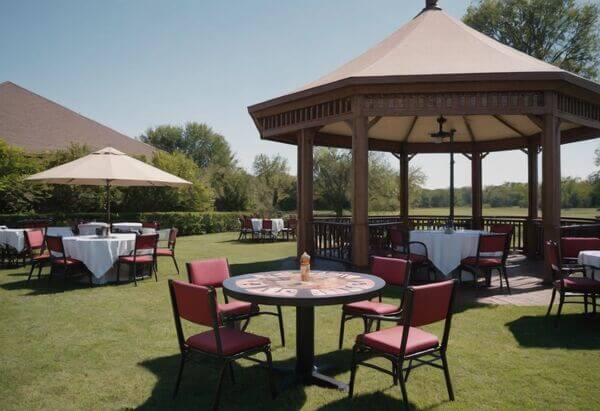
(134,274)
(352,372)
(219,384)
(395,372)
(585,303)
(403,387)
(505,278)
(447,376)
(281,330)
(231,374)
(179,374)
(551,301)
(270,370)
(560,305)
(408,371)
(342,324)
(31,272)
(175,262)
(153,268)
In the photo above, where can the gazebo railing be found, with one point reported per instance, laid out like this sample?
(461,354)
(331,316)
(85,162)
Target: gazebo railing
(333,235)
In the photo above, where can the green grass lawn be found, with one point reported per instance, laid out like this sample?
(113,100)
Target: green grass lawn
(114,347)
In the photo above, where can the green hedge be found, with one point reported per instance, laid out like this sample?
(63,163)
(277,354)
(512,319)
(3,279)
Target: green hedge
(188,223)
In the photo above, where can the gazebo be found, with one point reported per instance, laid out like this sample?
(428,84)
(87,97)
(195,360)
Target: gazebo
(390,97)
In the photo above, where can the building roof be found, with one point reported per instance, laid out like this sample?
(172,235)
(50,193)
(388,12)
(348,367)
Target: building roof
(36,124)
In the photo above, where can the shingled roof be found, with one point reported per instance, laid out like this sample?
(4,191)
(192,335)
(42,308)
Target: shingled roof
(36,124)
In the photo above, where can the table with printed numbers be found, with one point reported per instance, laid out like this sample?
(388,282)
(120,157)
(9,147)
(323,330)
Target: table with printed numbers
(285,288)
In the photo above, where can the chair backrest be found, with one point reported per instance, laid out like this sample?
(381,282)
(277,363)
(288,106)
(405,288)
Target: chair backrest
(552,254)
(394,271)
(151,224)
(430,303)
(399,238)
(145,243)
(35,239)
(292,223)
(194,303)
(493,244)
(56,248)
(209,273)
(267,224)
(247,223)
(172,238)
(502,229)
(571,246)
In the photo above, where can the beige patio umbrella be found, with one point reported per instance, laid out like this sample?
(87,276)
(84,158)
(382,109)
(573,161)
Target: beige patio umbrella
(108,167)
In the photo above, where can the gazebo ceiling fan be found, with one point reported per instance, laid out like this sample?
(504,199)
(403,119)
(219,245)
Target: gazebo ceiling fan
(439,136)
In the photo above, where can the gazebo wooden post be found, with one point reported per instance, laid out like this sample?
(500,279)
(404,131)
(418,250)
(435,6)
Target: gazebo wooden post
(305,190)
(404,185)
(550,177)
(532,213)
(360,187)
(476,190)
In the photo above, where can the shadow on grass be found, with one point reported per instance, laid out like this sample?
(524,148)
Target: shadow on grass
(375,401)
(574,331)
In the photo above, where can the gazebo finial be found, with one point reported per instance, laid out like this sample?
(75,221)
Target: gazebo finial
(431,5)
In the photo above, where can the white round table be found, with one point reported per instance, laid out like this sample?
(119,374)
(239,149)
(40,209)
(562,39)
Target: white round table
(99,254)
(14,238)
(90,228)
(277,224)
(447,250)
(590,259)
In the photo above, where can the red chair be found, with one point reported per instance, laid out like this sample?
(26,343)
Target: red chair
(395,272)
(566,285)
(170,250)
(151,224)
(508,229)
(36,248)
(404,343)
(245,228)
(492,252)
(212,273)
(143,255)
(58,259)
(404,249)
(198,304)
(266,231)
(571,246)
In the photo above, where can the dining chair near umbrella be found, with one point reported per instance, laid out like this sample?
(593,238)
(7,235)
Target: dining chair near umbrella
(35,245)
(212,273)
(395,272)
(407,346)
(198,304)
(169,251)
(59,259)
(143,256)
(571,290)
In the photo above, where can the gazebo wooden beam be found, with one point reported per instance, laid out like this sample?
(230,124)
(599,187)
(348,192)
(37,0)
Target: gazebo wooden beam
(531,245)
(510,126)
(360,190)
(305,141)
(476,190)
(410,129)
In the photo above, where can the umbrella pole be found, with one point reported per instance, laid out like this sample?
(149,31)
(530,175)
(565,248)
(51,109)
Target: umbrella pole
(451,222)
(108,202)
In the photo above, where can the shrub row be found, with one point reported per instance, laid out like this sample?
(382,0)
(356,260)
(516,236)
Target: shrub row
(188,223)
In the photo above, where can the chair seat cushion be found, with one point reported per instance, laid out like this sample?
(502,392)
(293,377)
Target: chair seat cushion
(164,252)
(232,341)
(140,259)
(388,340)
(580,284)
(66,261)
(370,307)
(413,258)
(237,308)
(483,261)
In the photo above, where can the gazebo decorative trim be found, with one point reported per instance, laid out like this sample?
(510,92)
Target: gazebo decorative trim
(388,99)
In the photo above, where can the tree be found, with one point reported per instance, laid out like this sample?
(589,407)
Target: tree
(197,140)
(332,172)
(561,32)
(273,181)
(234,192)
(16,195)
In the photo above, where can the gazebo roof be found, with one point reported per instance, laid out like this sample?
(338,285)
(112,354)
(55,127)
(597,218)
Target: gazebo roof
(440,54)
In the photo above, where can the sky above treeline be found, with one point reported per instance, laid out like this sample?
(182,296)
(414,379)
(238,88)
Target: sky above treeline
(133,64)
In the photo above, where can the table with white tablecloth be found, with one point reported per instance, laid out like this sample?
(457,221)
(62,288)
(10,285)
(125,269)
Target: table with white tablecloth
(590,259)
(277,226)
(15,237)
(99,254)
(90,228)
(446,250)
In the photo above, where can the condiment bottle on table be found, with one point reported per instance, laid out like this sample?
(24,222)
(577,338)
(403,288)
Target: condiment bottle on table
(305,267)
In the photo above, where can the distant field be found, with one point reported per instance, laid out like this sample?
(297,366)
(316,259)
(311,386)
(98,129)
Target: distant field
(466,211)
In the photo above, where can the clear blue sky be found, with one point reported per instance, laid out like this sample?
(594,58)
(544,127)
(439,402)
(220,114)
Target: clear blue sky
(135,64)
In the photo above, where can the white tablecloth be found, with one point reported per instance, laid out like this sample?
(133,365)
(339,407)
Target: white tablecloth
(99,254)
(277,224)
(128,226)
(90,228)
(590,260)
(447,250)
(14,238)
